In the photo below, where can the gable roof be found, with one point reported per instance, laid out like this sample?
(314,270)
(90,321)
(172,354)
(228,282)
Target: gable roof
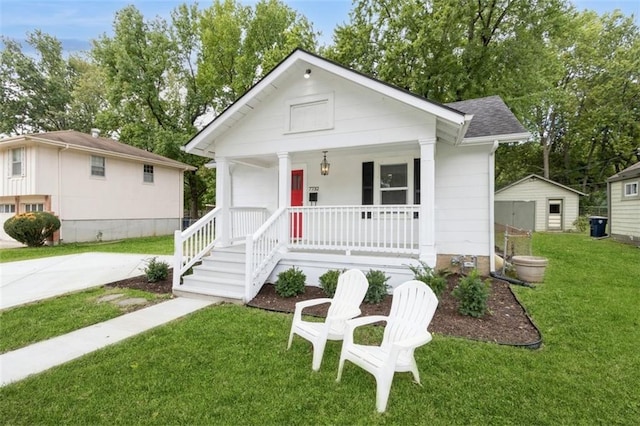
(629,172)
(97,145)
(534,177)
(452,122)
(491,117)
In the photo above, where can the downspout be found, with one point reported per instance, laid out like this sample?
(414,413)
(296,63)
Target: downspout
(492,230)
(59,209)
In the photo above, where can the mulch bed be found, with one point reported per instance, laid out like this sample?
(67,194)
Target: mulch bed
(507,322)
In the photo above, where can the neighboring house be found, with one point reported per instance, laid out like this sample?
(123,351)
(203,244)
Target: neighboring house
(99,188)
(535,203)
(326,168)
(623,190)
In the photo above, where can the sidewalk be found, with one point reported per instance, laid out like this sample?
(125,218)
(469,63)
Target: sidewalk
(32,280)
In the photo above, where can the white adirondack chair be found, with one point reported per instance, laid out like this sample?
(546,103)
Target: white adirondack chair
(412,309)
(350,291)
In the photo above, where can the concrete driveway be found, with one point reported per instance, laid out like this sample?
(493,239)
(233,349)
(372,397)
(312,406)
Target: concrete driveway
(31,280)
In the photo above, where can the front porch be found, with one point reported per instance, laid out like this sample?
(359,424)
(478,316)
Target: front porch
(235,260)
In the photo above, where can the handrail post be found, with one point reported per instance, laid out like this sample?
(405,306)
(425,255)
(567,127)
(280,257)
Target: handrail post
(177,257)
(248,279)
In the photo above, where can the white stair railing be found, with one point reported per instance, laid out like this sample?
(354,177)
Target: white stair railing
(193,243)
(263,249)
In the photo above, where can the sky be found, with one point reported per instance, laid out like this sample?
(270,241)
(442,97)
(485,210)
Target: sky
(76,22)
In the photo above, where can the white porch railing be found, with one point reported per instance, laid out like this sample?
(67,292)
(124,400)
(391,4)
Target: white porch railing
(381,228)
(195,242)
(245,221)
(263,249)
(373,229)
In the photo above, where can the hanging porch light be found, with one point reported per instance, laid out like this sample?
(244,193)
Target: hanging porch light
(324,166)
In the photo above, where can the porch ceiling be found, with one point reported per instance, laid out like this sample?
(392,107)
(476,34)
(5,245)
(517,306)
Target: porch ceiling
(271,160)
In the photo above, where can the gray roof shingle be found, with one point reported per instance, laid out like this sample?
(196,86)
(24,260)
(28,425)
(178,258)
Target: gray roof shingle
(491,116)
(107,145)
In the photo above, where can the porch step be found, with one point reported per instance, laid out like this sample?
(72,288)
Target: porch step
(221,274)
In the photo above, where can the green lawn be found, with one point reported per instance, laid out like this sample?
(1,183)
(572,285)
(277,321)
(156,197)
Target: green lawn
(162,245)
(24,325)
(228,365)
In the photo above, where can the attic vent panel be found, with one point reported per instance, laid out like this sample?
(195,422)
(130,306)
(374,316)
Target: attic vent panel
(309,113)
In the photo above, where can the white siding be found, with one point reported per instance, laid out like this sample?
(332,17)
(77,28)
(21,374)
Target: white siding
(118,205)
(462,200)
(541,192)
(624,214)
(361,117)
(121,193)
(17,185)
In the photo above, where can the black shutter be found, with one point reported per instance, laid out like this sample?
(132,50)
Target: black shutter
(367,186)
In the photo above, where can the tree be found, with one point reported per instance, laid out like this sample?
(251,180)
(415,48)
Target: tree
(450,50)
(46,92)
(164,79)
(587,120)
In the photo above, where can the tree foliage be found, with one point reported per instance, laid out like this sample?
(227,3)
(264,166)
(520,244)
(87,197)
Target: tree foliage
(571,77)
(165,78)
(45,91)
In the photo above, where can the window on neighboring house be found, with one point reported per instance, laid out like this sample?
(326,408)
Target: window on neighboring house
(34,207)
(97,166)
(393,184)
(17,160)
(7,208)
(631,189)
(147,171)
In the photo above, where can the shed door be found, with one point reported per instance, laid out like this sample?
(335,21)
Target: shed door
(554,215)
(520,214)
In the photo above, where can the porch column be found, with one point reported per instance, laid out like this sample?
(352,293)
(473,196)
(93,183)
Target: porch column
(284,192)
(223,201)
(284,179)
(428,201)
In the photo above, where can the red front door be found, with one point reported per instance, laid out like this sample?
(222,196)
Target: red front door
(297,193)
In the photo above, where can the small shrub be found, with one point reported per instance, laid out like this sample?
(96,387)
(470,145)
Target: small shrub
(32,228)
(290,282)
(156,270)
(472,293)
(329,281)
(437,280)
(378,286)
(582,223)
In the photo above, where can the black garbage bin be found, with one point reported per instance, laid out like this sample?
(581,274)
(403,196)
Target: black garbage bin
(598,225)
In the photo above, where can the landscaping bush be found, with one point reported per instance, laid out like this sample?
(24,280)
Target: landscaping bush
(378,286)
(329,281)
(437,280)
(472,293)
(156,270)
(290,282)
(582,223)
(33,228)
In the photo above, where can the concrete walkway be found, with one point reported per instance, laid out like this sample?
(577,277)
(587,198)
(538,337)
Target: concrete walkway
(32,280)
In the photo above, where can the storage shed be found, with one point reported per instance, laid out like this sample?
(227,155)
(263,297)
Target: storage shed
(537,204)
(624,205)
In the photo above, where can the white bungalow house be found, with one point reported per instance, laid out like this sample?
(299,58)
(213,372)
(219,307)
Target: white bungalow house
(623,190)
(405,179)
(536,203)
(98,187)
